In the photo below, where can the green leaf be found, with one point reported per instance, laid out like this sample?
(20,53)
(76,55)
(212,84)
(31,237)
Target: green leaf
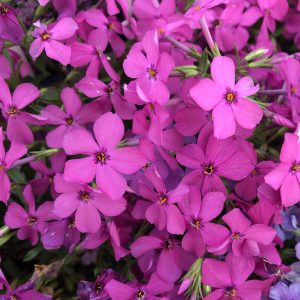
(33,253)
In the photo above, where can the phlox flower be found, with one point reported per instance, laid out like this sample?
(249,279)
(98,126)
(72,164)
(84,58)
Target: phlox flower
(92,54)
(60,232)
(109,28)
(199,214)
(281,291)
(227,99)
(149,291)
(7,159)
(23,292)
(49,38)
(95,290)
(163,212)
(104,160)
(86,202)
(245,238)
(151,71)
(286,175)
(229,279)
(10,29)
(29,223)
(208,166)
(247,187)
(73,116)
(171,259)
(12,106)
(92,87)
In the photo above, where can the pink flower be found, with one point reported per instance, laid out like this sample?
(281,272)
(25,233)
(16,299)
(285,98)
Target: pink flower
(31,222)
(49,39)
(92,87)
(154,287)
(92,53)
(227,100)
(171,258)
(151,71)
(75,115)
(199,214)
(104,160)
(12,106)
(109,29)
(247,187)
(229,279)
(86,202)
(214,163)
(163,212)
(245,239)
(10,29)
(7,160)
(286,176)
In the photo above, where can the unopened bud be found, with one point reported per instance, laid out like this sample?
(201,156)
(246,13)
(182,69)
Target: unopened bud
(256,54)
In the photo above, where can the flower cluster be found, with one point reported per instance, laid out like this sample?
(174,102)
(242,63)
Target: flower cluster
(150,149)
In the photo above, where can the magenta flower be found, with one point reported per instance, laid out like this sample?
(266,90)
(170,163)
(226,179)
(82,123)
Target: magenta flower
(199,214)
(104,159)
(92,87)
(31,222)
(151,71)
(228,278)
(7,160)
(247,187)
(163,212)
(12,106)
(5,71)
(214,163)
(199,8)
(172,260)
(109,29)
(92,54)
(245,238)
(58,233)
(227,100)
(10,29)
(132,291)
(75,115)
(86,202)
(49,39)
(23,292)
(286,175)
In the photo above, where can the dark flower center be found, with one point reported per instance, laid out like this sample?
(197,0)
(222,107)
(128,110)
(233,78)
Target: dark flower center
(69,120)
(140,295)
(152,72)
(230,97)
(163,199)
(111,27)
(110,90)
(196,224)
(12,111)
(45,36)
(102,157)
(71,222)
(3,9)
(231,292)
(99,287)
(84,196)
(167,244)
(197,8)
(13,297)
(99,52)
(32,220)
(236,236)
(2,168)
(296,167)
(209,169)
(293,90)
